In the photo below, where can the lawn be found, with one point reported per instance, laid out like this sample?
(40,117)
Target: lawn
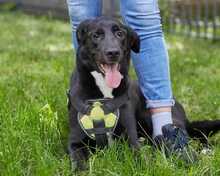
(36,60)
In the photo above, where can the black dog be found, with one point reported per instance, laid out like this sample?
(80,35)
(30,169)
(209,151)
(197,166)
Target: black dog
(102,65)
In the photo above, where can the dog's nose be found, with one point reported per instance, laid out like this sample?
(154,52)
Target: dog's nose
(112,53)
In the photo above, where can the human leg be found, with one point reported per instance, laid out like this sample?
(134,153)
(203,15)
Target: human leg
(152,68)
(152,64)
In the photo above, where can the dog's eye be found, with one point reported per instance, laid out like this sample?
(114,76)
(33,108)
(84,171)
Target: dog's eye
(95,36)
(119,34)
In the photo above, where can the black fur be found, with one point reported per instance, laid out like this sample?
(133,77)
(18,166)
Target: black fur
(96,38)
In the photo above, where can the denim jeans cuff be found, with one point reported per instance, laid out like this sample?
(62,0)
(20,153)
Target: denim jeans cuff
(160,103)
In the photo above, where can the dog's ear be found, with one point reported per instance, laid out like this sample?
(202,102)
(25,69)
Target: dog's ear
(133,39)
(82,30)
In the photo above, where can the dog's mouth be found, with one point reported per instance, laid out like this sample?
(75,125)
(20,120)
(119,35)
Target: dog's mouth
(111,73)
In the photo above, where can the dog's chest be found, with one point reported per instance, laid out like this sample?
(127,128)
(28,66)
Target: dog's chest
(100,82)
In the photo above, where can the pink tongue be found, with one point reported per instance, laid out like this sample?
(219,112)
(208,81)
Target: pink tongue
(112,76)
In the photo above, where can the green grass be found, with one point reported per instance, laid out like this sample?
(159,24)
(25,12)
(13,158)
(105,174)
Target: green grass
(36,61)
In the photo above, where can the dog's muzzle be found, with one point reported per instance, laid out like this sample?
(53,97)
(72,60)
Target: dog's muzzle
(98,125)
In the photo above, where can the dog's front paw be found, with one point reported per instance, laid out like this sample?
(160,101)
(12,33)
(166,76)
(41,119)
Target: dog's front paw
(108,108)
(86,109)
(80,165)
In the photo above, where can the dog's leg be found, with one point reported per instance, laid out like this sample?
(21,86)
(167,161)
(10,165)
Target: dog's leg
(115,103)
(77,100)
(128,121)
(77,149)
(79,154)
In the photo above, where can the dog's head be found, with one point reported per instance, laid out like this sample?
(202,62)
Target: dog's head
(106,43)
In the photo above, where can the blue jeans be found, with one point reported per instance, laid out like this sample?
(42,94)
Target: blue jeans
(152,63)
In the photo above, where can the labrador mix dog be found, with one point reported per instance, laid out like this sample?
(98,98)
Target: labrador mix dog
(102,64)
